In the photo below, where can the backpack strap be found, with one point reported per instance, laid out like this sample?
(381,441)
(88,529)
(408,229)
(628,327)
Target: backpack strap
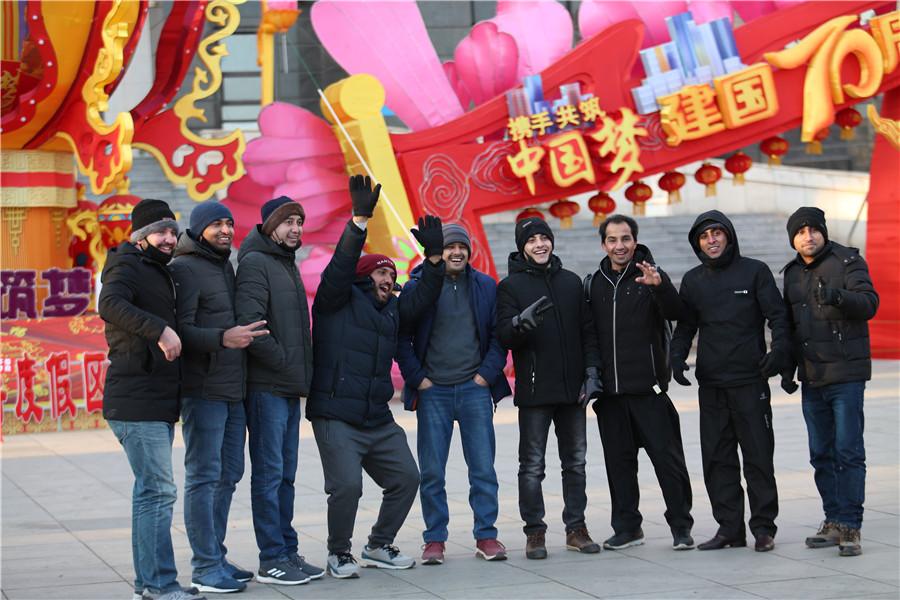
(587,287)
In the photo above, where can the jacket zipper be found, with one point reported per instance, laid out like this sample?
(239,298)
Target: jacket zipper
(615,350)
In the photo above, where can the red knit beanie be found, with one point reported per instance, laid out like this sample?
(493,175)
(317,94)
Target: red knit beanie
(370,262)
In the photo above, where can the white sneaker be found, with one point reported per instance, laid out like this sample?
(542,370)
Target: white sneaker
(385,557)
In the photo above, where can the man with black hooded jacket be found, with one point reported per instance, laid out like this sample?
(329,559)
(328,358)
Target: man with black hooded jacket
(729,298)
(543,318)
(631,299)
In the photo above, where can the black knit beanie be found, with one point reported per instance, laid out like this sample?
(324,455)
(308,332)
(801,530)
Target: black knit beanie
(150,216)
(803,217)
(529,227)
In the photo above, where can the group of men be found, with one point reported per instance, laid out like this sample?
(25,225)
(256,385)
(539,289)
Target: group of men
(229,353)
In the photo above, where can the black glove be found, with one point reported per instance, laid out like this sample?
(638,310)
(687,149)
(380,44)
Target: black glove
(772,363)
(827,295)
(363,197)
(591,388)
(530,318)
(430,235)
(679,366)
(787,380)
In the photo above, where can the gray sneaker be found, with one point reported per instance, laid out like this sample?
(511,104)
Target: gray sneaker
(385,557)
(313,571)
(282,571)
(342,566)
(182,594)
(829,534)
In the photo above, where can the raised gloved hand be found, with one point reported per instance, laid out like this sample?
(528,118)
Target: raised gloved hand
(530,318)
(679,366)
(430,234)
(827,295)
(363,197)
(591,388)
(772,363)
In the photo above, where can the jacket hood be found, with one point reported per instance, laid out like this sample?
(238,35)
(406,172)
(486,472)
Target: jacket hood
(719,217)
(641,254)
(188,245)
(257,242)
(126,252)
(519,264)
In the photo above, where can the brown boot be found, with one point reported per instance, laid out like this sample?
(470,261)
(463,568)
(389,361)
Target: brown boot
(580,540)
(850,544)
(829,534)
(535,547)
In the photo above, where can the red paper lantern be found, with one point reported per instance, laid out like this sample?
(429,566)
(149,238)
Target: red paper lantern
(738,164)
(564,210)
(672,182)
(708,175)
(815,146)
(639,193)
(848,118)
(774,147)
(528,213)
(601,204)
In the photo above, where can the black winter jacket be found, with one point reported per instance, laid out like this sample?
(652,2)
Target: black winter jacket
(549,361)
(630,319)
(204,280)
(137,302)
(355,340)
(729,300)
(831,343)
(269,288)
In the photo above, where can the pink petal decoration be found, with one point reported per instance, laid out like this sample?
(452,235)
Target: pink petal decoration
(465,98)
(596,15)
(486,61)
(245,197)
(753,10)
(542,30)
(389,40)
(705,11)
(654,14)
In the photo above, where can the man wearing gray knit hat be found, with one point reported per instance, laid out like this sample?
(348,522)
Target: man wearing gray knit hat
(452,364)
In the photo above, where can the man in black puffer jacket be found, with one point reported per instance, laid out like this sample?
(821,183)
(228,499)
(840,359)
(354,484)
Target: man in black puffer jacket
(729,298)
(279,369)
(356,322)
(830,299)
(631,299)
(543,318)
(140,398)
(212,407)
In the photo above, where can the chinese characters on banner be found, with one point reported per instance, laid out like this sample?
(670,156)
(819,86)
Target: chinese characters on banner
(69,293)
(57,365)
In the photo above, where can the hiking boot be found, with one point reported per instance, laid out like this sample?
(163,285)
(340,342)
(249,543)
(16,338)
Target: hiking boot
(312,571)
(620,541)
(580,540)
(385,557)
(535,546)
(238,574)
(764,543)
(850,542)
(829,534)
(682,540)
(219,585)
(490,549)
(281,572)
(342,566)
(433,553)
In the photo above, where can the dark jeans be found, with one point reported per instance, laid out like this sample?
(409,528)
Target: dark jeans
(382,452)
(471,406)
(214,434)
(274,426)
(732,417)
(630,422)
(148,446)
(834,420)
(570,425)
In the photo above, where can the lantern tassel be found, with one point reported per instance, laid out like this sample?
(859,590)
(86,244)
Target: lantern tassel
(598,218)
(738,179)
(674,196)
(814,147)
(848,133)
(710,190)
(774,159)
(640,209)
(565,222)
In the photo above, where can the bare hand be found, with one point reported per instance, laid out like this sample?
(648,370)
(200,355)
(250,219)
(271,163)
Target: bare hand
(240,336)
(479,380)
(426,383)
(649,274)
(170,344)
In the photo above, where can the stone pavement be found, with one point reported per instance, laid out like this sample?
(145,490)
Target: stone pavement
(66,523)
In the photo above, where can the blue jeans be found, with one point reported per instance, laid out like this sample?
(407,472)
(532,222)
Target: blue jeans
(148,446)
(214,433)
(274,426)
(471,406)
(834,421)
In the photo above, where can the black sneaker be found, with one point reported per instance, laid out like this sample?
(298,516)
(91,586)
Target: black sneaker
(282,571)
(313,571)
(620,541)
(682,540)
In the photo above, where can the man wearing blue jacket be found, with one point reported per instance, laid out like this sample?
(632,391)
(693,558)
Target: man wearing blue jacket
(452,363)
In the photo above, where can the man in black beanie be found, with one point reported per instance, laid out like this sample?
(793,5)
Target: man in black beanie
(543,318)
(279,372)
(140,398)
(830,298)
(212,408)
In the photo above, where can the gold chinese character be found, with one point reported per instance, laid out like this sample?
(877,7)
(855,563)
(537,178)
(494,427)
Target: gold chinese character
(519,128)
(526,163)
(541,122)
(569,159)
(689,114)
(590,110)
(886,30)
(621,139)
(747,96)
(566,115)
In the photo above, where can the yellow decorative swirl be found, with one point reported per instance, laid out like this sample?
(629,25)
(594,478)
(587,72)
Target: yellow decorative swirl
(889,128)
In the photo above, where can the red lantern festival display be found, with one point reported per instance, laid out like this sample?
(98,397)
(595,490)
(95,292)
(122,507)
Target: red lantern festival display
(774,147)
(672,182)
(529,213)
(639,193)
(815,146)
(738,164)
(602,205)
(848,119)
(564,210)
(708,175)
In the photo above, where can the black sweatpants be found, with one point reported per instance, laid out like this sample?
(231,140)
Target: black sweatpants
(629,422)
(730,417)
